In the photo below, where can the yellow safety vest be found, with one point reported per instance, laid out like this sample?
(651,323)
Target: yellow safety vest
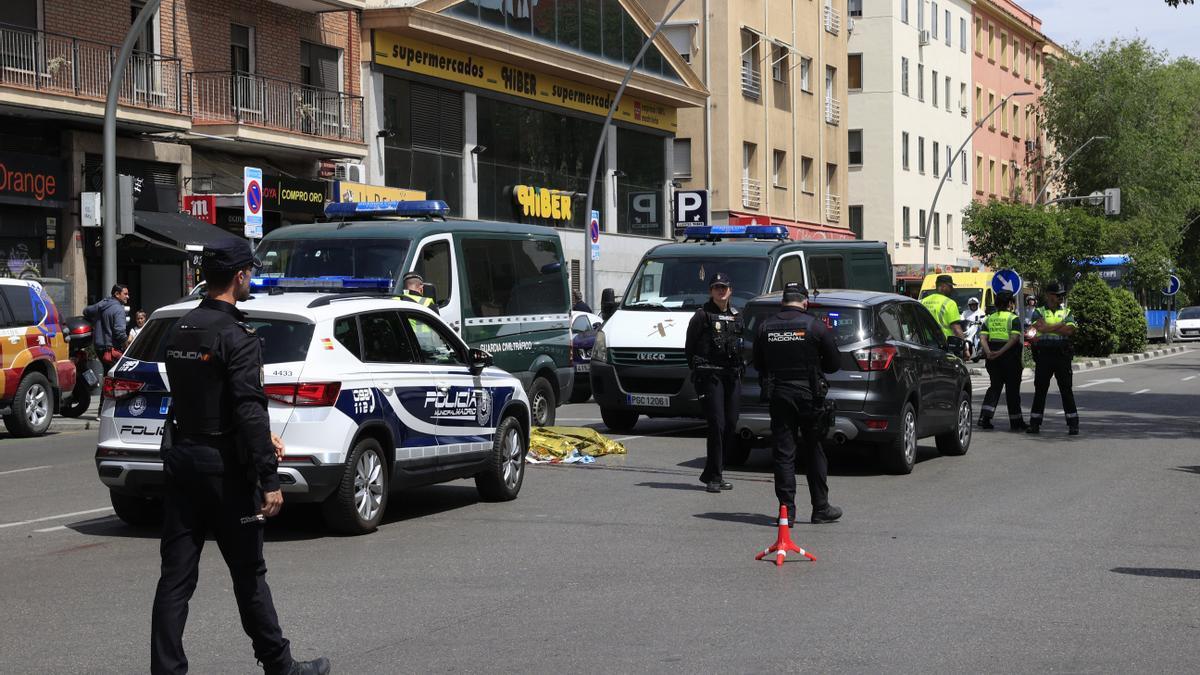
(1052,318)
(944,311)
(1000,327)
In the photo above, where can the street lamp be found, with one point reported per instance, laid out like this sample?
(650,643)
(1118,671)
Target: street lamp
(946,174)
(1054,174)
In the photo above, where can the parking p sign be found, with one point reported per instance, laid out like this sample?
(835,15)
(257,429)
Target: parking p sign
(252,202)
(691,207)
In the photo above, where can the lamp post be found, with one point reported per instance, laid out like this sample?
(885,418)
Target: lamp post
(946,174)
(1054,174)
(589,274)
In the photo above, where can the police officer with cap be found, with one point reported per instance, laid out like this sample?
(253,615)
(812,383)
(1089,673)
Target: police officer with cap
(1001,339)
(219,460)
(1052,354)
(414,291)
(713,350)
(792,350)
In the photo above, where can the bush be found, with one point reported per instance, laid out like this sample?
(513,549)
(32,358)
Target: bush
(1130,322)
(1092,303)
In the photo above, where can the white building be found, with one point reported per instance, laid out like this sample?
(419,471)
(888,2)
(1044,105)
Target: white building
(909,77)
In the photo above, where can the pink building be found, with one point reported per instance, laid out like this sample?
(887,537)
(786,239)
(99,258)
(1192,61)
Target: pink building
(1007,59)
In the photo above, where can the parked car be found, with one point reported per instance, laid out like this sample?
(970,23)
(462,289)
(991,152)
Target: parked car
(900,380)
(1187,324)
(583,335)
(38,372)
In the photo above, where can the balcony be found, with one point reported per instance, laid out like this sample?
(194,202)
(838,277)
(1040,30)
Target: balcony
(833,21)
(751,82)
(751,193)
(833,208)
(833,111)
(41,68)
(267,110)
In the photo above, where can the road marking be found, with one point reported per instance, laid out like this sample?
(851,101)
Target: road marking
(659,433)
(51,529)
(1189,377)
(1140,391)
(1110,380)
(59,516)
(28,468)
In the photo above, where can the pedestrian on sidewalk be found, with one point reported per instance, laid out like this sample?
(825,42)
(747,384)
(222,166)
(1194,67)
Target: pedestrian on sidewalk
(1001,340)
(1052,354)
(109,338)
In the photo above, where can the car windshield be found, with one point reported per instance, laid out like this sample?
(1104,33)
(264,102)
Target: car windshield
(849,325)
(682,283)
(282,341)
(960,296)
(1189,313)
(335,257)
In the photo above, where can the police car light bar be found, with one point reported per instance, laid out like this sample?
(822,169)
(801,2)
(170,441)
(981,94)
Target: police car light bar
(412,209)
(321,283)
(715,232)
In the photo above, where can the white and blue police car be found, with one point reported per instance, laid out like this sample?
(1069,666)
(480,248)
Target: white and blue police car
(370,394)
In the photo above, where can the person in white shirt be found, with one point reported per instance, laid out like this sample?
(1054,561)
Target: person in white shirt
(973,312)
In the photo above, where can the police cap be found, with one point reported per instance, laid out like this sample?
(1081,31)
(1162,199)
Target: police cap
(720,279)
(794,292)
(1054,288)
(411,276)
(225,254)
(945,279)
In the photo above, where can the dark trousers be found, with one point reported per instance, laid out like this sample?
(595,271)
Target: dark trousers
(792,417)
(719,392)
(1052,362)
(1004,373)
(197,503)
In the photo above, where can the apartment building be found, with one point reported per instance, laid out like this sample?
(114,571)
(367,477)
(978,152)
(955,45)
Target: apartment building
(771,145)
(213,86)
(910,74)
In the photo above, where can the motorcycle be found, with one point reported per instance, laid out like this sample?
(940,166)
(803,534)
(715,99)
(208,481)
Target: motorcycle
(971,338)
(79,338)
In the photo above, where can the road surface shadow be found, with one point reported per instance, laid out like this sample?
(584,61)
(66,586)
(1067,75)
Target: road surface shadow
(852,459)
(1158,572)
(690,487)
(745,518)
(1187,469)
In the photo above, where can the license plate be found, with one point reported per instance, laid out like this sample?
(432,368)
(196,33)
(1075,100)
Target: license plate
(583,367)
(649,400)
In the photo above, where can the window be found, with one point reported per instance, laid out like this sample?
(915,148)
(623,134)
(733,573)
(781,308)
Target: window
(937,230)
(978,35)
(1016,117)
(779,169)
(933,85)
(1028,54)
(949,162)
(510,277)
(856,150)
(962,35)
(890,319)
(321,68)
(926,329)
(343,256)
(854,7)
(779,63)
(962,96)
(681,150)
(904,75)
(920,15)
(1018,48)
(920,154)
(805,74)
(433,345)
(979,174)
(992,177)
(904,11)
(22,300)
(433,264)
(947,94)
(990,108)
(345,331)
(581,324)
(1003,115)
(1026,127)
(946,27)
(856,220)
(854,77)
(949,231)
(789,270)
(751,78)
(241,48)
(806,165)
(920,82)
(991,43)
(933,20)
(962,167)
(904,150)
(1004,50)
(827,271)
(830,83)
(749,165)
(1015,174)
(935,159)
(384,339)
(1004,180)
(921,224)
(906,226)
(978,103)
(679,35)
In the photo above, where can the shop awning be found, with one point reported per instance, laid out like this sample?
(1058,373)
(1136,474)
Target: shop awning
(175,230)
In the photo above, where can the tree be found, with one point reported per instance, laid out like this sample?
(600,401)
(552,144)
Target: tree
(1092,305)
(1176,3)
(1042,245)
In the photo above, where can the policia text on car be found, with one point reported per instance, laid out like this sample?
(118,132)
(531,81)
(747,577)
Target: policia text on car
(220,461)
(713,349)
(791,352)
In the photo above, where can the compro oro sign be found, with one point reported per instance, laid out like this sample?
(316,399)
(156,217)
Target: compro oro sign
(423,58)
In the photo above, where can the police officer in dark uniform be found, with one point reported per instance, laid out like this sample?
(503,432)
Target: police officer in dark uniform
(1052,354)
(220,460)
(1001,340)
(792,350)
(714,353)
(414,291)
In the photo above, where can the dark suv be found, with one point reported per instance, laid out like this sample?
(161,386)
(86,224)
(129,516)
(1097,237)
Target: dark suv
(899,380)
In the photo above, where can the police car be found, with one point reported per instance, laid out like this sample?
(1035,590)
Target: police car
(369,393)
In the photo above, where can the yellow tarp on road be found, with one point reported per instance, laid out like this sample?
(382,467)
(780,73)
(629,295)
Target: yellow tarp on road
(558,444)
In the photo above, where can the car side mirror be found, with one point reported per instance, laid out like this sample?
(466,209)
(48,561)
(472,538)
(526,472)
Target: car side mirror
(608,303)
(552,268)
(479,360)
(955,344)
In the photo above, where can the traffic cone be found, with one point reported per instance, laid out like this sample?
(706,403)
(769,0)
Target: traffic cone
(783,542)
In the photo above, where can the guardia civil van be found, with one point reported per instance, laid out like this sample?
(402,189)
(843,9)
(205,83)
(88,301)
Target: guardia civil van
(638,365)
(502,286)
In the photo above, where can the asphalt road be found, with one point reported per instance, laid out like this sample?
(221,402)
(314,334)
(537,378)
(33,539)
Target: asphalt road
(1029,554)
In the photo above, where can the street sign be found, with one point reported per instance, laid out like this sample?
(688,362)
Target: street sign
(1006,281)
(691,207)
(643,212)
(1172,286)
(252,202)
(594,233)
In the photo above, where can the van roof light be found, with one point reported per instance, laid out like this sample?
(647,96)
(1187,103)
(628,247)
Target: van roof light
(425,208)
(718,232)
(316,284)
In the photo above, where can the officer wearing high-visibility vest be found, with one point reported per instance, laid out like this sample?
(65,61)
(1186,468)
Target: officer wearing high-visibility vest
(414,291)
(943,308)
(1052,354)
(1001,340)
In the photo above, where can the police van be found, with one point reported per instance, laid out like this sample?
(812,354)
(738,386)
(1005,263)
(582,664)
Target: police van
(369,394)
(502,286)
(638,365)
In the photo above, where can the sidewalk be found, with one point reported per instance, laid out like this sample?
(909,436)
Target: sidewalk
(86,421)
(978,369)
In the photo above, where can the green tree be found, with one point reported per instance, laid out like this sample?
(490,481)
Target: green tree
(1039,244)
(1091,302)
(1176,3)
(1129,322)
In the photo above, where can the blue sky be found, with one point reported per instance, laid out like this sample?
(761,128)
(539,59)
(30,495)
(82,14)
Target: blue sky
(1087,21)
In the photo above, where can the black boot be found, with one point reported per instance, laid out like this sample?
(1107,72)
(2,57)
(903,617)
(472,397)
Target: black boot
(1072,431)
(985,423)
(826,514)
(1017,425)
(318,666)
(1034,428)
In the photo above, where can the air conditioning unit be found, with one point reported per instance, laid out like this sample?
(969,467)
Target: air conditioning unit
(850,25)
(1030,146)
(352,172)
(963,109)
(923,38)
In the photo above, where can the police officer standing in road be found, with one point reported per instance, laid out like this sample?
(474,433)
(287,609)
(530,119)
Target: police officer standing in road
(943,308)
(1052,354)
(1001,340)
(792,350)
(220,460)
(414,291)
(713,349)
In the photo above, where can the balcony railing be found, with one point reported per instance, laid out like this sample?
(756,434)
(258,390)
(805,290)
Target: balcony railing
(751,82)
(61,64)
(833,111)
(833,208)
(833,20)
(751,193)
(245,98)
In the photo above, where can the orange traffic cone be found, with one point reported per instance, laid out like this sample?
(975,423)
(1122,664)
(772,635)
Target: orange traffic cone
(783,543)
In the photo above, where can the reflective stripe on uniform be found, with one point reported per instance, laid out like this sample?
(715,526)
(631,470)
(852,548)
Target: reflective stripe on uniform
(944,311)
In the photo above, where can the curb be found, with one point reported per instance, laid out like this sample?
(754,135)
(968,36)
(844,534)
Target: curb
(84,422)
(1113,360)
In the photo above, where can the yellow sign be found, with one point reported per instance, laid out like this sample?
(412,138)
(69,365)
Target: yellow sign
(345,191)
(543,203)
(420,57)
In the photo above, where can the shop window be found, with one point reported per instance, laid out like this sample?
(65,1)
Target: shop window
(517,17)
(642,172)
(567,18)
(610,27)
(424,151)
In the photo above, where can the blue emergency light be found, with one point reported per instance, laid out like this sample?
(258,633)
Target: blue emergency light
(322,283)
(424,208)
(715,232)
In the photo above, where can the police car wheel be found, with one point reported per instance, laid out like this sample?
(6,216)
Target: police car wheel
(620,421)
(957,440)
(358,504)
(900,454)
(137,511)
(502,479)
(541,403)
(32,407)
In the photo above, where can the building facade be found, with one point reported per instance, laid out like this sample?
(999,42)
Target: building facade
(910,74)
(771,145)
